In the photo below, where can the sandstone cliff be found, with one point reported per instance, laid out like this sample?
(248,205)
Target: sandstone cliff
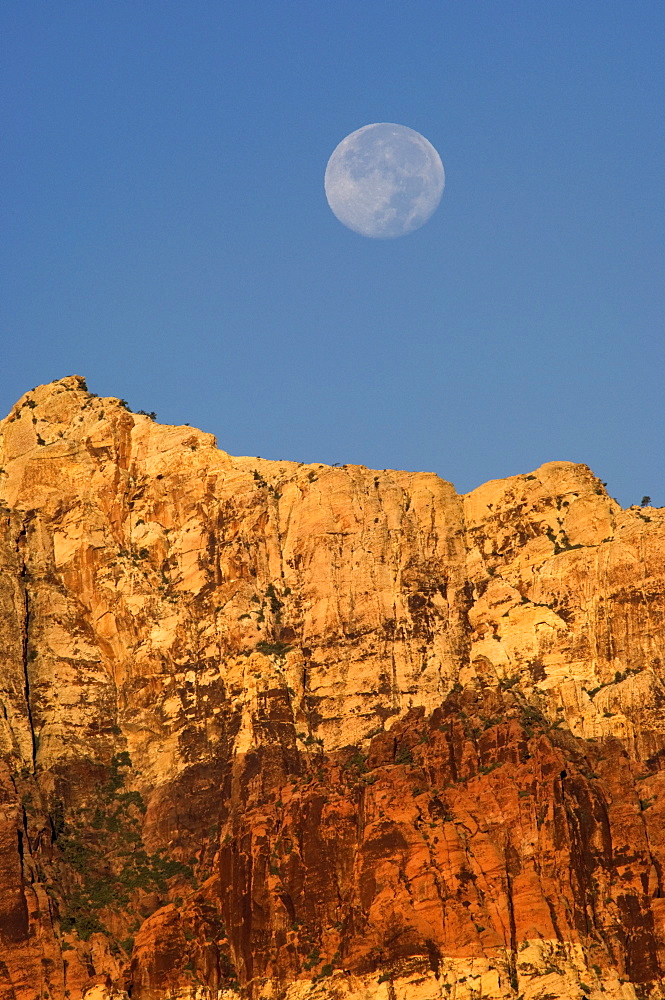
(294,731)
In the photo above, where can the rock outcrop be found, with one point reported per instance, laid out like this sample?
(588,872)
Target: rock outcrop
(294,731)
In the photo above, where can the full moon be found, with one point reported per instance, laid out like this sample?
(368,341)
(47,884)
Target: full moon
(384,180)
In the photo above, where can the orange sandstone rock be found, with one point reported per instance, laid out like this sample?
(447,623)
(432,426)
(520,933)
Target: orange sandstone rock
(303,731)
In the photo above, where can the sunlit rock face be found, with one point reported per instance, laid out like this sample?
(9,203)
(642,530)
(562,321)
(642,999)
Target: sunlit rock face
(300,731)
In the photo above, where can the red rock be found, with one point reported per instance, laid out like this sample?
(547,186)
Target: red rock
(264,723)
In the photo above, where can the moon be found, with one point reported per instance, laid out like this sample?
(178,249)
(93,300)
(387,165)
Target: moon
(384,180)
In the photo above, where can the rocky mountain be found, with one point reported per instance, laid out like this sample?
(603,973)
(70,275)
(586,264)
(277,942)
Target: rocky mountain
(286,731)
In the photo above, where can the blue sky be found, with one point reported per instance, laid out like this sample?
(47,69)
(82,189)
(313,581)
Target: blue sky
(166,233)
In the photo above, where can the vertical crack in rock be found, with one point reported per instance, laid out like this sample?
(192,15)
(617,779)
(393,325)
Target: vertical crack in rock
(512,955)
(21,544)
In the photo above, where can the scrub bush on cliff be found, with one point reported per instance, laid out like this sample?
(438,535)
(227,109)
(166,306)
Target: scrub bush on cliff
(101,860)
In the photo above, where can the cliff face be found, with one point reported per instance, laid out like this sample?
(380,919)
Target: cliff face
(300,731)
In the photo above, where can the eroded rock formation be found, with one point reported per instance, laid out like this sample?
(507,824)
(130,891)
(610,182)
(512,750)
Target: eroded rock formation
(300,731)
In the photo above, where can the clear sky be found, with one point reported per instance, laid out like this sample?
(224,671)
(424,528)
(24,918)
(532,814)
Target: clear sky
(165,231)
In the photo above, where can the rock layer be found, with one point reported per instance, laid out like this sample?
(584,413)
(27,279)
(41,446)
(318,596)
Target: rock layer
(301,731)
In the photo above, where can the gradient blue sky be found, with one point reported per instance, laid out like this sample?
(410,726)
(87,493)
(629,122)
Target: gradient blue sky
(166,233)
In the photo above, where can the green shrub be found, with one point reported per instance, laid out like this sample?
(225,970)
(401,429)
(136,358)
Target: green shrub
(359,761)
(100,861)
(312,959)
(272,648)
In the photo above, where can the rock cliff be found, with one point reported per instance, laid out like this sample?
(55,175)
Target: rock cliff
(291,731)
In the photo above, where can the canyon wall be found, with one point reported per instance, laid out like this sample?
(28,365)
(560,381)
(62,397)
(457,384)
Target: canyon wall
(288,731)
